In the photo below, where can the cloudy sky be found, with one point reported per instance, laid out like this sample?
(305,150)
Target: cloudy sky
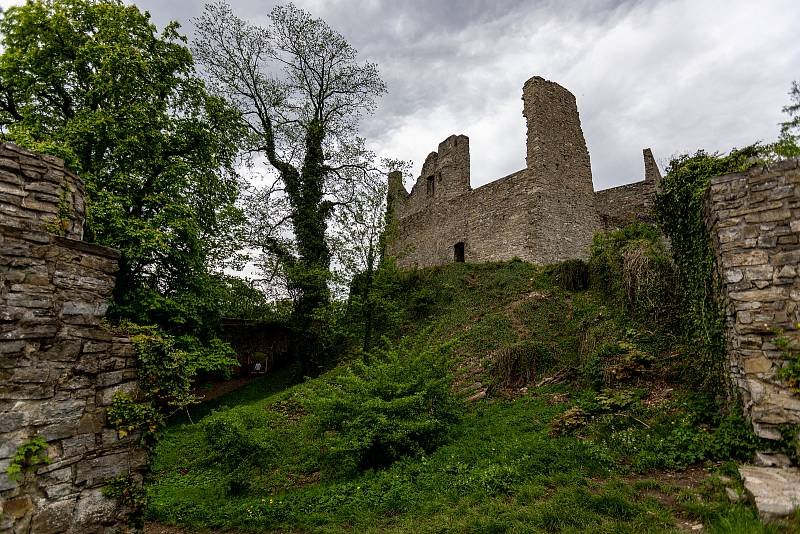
(673,75)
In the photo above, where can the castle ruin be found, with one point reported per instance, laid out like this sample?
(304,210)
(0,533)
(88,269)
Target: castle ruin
(545,213)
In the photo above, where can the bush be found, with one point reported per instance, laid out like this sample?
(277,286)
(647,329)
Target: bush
(516,365)
(572,275)
(372,414)
(632,267)
(241,439)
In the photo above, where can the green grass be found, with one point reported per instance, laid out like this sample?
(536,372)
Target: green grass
(501,467)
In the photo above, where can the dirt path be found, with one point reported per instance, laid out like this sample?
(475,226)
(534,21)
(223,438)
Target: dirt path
(219,389)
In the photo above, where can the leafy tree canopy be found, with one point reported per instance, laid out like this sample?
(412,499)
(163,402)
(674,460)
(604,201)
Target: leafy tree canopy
(94,83)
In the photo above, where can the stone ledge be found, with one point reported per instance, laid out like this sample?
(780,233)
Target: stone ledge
(39,237)
(775,491)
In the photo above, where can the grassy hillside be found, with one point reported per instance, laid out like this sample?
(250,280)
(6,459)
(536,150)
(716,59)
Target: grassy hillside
(500,402)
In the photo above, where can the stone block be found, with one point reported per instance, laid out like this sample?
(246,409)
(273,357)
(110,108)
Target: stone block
(37,375)
(110,378)
(789,257)
(754,257)
(64,410)
(26,391)
(18,507)
(774,491)
(12,421)
(97,470)
(59,491)
(54,518)
(757,365)
(78,444)
(104,396)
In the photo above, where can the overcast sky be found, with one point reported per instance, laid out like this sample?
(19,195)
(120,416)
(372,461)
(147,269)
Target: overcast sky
(673,75)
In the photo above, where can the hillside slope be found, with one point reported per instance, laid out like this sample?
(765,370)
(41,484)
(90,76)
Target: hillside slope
(566,416)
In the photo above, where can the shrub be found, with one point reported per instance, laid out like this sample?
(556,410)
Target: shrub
(632,267)
(572,275)
(372,414)
(242,440)
(516,365)
(570,421)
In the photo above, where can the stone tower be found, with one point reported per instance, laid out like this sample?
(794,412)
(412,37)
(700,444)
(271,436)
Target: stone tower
(558,165)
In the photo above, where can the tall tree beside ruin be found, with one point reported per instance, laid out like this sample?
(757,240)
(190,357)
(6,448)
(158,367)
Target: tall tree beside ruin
(95,83)
(793,110)
(301,90)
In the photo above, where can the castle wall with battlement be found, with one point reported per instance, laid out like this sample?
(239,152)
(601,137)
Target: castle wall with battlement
(545,213)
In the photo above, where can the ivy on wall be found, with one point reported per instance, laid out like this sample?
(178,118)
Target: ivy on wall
(679,211)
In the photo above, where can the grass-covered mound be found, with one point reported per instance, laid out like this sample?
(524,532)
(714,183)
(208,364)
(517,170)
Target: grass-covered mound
(578,422)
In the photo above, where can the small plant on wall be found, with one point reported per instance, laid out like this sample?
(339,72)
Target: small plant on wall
(790,373)
(28,455)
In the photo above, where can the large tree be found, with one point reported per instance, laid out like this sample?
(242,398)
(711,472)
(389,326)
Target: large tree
(793,110)
(94,82)
(301,91)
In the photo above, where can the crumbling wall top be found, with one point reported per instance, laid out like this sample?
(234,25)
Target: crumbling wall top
(37,192)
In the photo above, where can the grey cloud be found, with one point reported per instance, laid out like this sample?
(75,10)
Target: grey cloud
(676,75)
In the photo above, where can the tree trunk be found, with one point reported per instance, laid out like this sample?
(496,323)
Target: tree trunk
(309,277)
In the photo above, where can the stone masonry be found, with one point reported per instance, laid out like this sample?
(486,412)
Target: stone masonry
(545,213)
(620,205)
(59,367)
(754,220)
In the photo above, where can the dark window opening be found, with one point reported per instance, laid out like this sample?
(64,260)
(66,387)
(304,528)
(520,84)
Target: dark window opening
(430,186)
(459,252)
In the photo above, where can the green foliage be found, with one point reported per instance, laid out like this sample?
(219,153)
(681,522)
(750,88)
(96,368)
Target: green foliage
(399,404)
(126,490)
(496,468)
(677,440)
(28,455)
(572,275)
(167,368)
(793,110)
(679,210)
(570,421)
(242,441)
(95,84)
(632,267)
(243,299)
(790,373)
(127,415)
(167,365)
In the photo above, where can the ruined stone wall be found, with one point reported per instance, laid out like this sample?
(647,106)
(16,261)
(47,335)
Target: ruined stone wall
(754,220)
(37,192)
(58,366)
(565,219)
(480,218)
(622,205)
(543,214)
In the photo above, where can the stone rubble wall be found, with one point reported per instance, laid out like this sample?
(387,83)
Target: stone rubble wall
(59,367)
(545,213)
(37,192)
(565,218)
(754,220)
